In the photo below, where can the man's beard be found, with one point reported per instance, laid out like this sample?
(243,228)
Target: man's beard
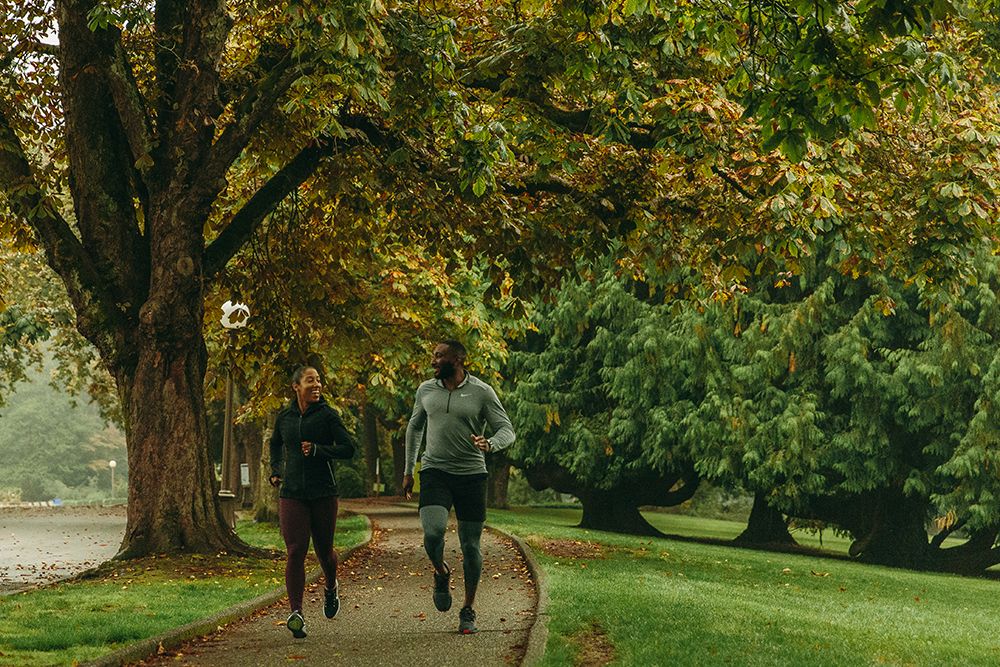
(445,369)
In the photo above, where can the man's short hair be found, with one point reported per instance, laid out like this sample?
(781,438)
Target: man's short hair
(456,347)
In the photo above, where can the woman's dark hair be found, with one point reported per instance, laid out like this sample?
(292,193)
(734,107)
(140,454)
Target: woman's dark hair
(299,372)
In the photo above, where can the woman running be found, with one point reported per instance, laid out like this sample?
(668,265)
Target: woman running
(308,436)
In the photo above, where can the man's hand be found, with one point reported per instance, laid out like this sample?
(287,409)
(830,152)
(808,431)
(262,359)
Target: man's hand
(308,448)
(482,443)
(408,486)
(274,480)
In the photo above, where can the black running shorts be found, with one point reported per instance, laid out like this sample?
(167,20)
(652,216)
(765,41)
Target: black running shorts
(467,492)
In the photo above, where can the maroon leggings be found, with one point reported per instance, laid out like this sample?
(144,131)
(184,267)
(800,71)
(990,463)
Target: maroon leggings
(299,519)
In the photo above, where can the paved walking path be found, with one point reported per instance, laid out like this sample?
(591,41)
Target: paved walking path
(39,545)
(387,616)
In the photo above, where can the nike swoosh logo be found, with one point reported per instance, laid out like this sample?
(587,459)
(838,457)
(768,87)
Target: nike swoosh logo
(464,395)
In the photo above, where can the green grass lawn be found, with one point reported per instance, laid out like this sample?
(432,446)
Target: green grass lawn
(640,601)
(77,621)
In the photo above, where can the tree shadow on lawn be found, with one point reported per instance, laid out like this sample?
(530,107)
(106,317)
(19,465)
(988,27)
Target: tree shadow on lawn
(773,547)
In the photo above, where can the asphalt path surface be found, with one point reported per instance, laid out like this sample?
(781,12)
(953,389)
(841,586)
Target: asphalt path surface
(387,615)
(44,544)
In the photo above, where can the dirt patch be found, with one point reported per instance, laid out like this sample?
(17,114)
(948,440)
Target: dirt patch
(572,549)
(594,647)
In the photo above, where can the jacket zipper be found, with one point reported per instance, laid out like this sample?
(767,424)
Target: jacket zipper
(303,456)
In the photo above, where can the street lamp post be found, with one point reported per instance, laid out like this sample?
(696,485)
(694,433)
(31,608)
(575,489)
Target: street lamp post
(234,316)
(112,464)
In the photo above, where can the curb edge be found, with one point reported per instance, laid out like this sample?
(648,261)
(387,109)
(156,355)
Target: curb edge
(539,632)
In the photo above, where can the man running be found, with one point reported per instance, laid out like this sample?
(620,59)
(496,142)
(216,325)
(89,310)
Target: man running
(455,407)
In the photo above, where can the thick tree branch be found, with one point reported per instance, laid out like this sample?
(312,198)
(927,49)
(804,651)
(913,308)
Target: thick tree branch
(168,19)
(579,121)
(732,182)
(251,111)
(103,182)
(287,179)
(132,107)
(656,494)
(185,142)
(64,252)
(27,47)
(943,534)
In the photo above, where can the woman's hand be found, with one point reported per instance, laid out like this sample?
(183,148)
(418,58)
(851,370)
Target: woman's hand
(274,480)
(308,448)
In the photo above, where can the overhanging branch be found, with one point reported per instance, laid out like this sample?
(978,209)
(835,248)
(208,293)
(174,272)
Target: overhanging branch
(28,47)
(286,180)
(251,111)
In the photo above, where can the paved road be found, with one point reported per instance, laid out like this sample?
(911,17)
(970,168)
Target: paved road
(387,615)
(40,545)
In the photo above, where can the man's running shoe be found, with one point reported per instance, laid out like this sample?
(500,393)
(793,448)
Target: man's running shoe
(331,601)
(467,621)
(297,624)
(442,590)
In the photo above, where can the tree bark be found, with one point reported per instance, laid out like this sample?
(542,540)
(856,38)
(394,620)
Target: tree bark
(766,525)
(615,513)
(971,558)
(498,467)
(897,536)
(615,510)
(171,499)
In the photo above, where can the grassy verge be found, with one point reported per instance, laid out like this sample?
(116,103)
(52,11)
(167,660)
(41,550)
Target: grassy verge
(640,601)
(77,621)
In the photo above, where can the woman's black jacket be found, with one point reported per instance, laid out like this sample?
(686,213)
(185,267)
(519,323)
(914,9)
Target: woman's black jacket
(307,477)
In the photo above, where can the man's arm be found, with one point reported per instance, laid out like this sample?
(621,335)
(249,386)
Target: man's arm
(414,433)
(503,431)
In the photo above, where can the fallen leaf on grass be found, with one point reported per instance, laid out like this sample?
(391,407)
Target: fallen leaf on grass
(819,574)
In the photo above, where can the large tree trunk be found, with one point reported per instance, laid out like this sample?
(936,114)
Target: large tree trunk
(172,504)
(897,535)
(613,512)
(617,510)
(890,529)
(765,526)
(498,466)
